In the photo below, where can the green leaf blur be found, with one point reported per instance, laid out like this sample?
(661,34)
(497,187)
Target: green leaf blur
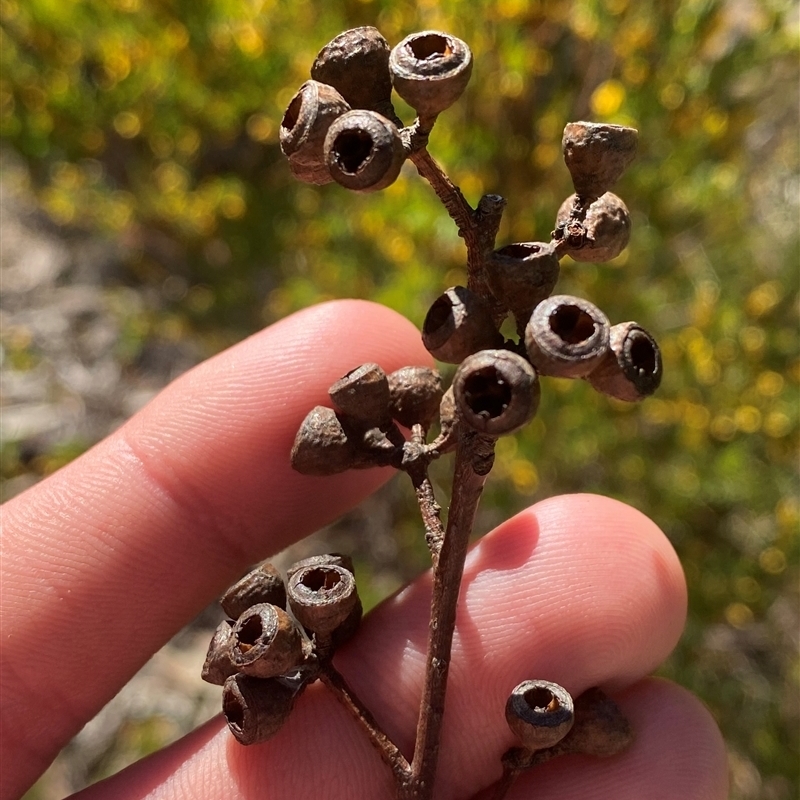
(157,123)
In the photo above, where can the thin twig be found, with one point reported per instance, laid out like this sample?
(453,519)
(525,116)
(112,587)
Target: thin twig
(389,752)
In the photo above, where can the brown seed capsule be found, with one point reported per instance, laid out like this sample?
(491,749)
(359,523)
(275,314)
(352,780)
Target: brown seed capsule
(566,336)
(458,324)
(356,64)
(600,727)
(430,70)
(323,447)
(540,713)
(632,368)
(495,391)
(522,275)
(304,126)
(363,396)
(415,394)
(602,234)
(218,665)
(255,708)
(322,597)
(263,584)
(363,151)
(267,642)
(597,155)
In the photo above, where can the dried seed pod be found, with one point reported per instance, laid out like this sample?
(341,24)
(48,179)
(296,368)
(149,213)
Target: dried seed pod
(495,391)
(540,713)
(601,234)
(255,708)
(218,665)
(458,324)
(363,151)
(323,447)
(597,155)
(325,601)
(567,336)
(304,126)
(363,396)
(356,64)
(600,727)
(267,642)
(522,275)
(415,394)
(263,584)
(632,368)
(430,70)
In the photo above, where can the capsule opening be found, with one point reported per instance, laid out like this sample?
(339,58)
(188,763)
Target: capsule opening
(427,48)
(572,324)
(233,710)
(439,314)
(352,149)
(292,113)
(321,580)
(540,699)
(643,355)
(519,251)
(486,393)
(249,633)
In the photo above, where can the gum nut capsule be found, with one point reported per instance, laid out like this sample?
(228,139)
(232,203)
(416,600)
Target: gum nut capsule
(363,151)
(322,597)
(218,666)
(540,713)
(263,584)
(632,368)
(322,447)
(430,71)
(566,336)
(267,642)
(522,275)
(496,392)
(597,155)
(600,728)
(255,708)
(356,64)
(602,235)
(458,324)
(304,126)
(363,395)
(414,395)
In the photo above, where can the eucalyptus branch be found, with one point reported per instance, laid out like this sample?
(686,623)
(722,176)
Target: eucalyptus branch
(341,126)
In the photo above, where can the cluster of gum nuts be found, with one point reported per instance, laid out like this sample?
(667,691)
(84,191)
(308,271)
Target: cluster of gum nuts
(341,126)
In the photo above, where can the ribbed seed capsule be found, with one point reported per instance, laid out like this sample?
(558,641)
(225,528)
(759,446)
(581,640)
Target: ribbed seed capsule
(356,64)
(415,394)
(267,642)
(540,713)
(458,324)
(323,447)
(496,392)
(304,127)
(263,584)
(363,395)
(632,368)
(322,597)
(363,151)
(566,337)
(218,665)
(601,234)
(521,275)
(596,155)
(430,71)
(255,708)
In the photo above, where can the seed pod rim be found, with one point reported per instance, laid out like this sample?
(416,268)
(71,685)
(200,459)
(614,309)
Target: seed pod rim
(539,727)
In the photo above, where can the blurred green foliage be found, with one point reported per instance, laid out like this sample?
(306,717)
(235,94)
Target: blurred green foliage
(156,121)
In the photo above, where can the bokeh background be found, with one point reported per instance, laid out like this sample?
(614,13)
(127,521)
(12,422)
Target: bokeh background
(149,220)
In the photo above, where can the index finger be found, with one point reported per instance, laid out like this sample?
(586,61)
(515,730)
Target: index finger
(106,559)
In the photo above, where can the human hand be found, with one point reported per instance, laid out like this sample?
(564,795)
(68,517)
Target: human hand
(105,560)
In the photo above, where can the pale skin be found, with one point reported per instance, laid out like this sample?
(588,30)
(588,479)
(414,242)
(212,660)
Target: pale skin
(106,559)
